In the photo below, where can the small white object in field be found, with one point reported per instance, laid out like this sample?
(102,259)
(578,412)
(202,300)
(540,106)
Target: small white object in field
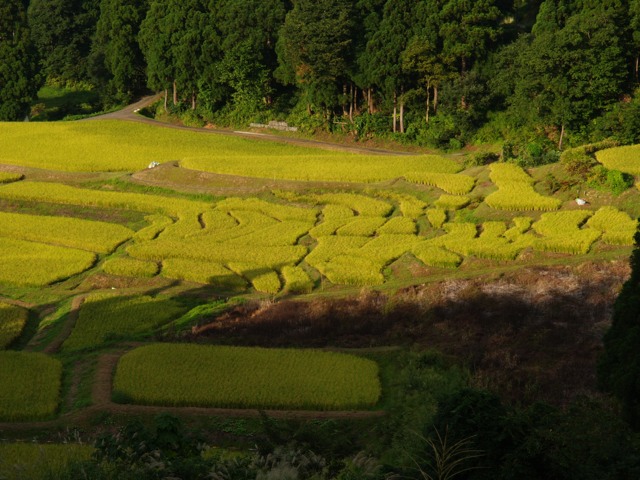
(580,201)
(153,165)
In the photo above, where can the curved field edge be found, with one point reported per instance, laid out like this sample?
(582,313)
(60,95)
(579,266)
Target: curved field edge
(112,146)
(244,377)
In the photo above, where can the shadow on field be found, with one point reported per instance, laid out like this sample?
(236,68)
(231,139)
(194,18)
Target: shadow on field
(529,335)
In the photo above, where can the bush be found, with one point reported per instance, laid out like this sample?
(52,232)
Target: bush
(612,180)
(580,160)
(481,158)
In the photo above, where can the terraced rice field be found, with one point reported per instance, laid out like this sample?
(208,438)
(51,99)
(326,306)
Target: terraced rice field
(29,386)
(183,375)
(428,216)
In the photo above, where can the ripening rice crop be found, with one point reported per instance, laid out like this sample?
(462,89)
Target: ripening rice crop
(437,217)
(456,184)
(562,233)
(130,267)
(297,163)
(12,322)
(97,237)
(296,280)
(362,226)
(398,225)
(37,264)
(241,377)
(410,206)
(157,223)
(333,217)
(520,226)
(617,227)
(33,461)
(385,248)
(277,211)
(223,253)
(492,244)
(351,270)
(626,159)
(107,317)
(246,222)
(332,246)
(29,386)
(65,194)
(363,205)
(452,202)
(203,272)
(6,177)
(216,220)
(279,234)
(435,256)
(262,279)
(515,190)
(187,225)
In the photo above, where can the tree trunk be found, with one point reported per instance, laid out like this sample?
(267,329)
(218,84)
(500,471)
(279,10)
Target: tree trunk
(344,99)
(166,94)
(561,137)
(401,114)
(350,102)
(355,100)
(369,100)
(428,100)
(193,100)
(395,109)
(435,98)
(175,93)
(637,66)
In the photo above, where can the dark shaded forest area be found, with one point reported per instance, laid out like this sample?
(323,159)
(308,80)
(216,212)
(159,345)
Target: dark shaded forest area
(440,73)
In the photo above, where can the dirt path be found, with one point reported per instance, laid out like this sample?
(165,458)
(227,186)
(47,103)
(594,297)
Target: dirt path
(130,113)
(67,328)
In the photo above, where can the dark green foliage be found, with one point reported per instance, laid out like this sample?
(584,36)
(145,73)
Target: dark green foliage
(314,49)
(586,441)
(117,61)
(137,451)
(18,80)
(619,368)
(613,180)
(62,31)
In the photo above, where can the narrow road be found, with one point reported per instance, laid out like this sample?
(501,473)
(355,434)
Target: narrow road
(130,113)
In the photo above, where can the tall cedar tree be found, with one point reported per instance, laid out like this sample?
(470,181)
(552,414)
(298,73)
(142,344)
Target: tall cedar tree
(116,57)
(18,83)
(314,49)
(619,368)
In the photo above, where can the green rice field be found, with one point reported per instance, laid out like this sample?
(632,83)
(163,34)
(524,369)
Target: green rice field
(215,376)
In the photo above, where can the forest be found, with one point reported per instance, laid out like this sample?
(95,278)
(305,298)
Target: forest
(538,75)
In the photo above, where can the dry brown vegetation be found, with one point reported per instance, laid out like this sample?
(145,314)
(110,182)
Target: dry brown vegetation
(529,335)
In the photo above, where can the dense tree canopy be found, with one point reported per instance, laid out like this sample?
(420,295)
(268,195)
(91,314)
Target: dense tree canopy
(438,72)
(18,85)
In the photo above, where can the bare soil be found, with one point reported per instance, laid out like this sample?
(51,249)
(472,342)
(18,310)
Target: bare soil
(532,334)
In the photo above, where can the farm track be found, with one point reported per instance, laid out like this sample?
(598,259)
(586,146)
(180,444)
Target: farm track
(130,113)
(67,328)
